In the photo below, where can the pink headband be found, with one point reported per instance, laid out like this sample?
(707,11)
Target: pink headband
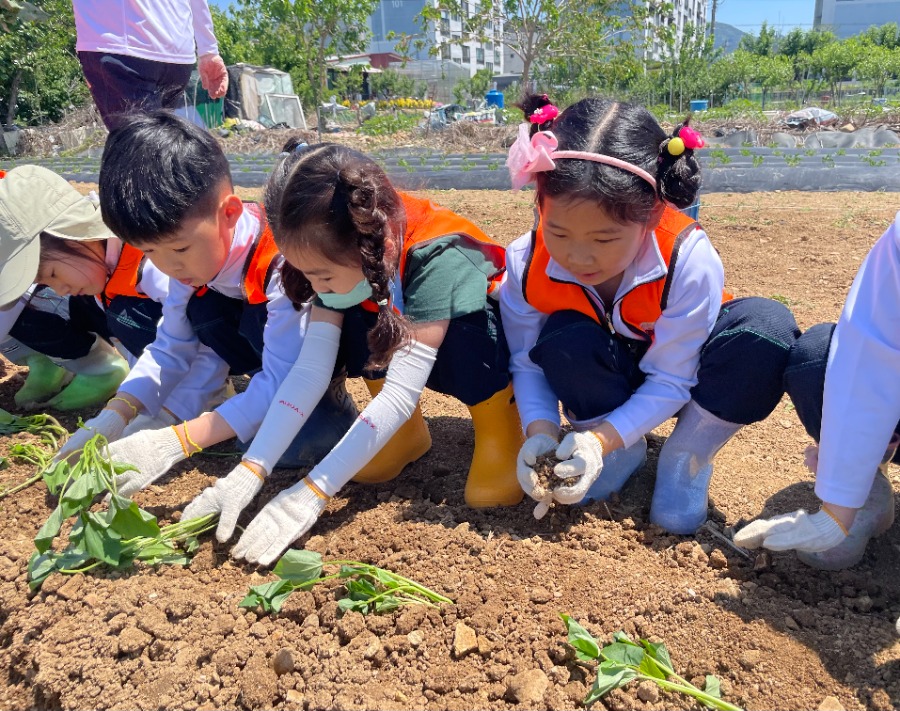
(528,156)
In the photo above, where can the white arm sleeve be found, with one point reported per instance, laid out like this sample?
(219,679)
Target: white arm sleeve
(298,394)
(389,410)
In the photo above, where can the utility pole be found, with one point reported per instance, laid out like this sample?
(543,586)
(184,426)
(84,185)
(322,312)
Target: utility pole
(712,20)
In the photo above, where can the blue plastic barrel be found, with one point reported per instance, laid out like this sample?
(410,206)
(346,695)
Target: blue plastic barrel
(699,104)
(494,98)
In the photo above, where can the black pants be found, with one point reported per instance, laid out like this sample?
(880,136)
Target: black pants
(472,362)
(120,84)
(130,319)
(742,362)
(231,327)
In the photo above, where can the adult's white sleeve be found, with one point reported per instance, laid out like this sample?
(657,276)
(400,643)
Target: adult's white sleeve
(298,394)
(522,324)
(672,361)
(204,35)
(407,374)
(861,404)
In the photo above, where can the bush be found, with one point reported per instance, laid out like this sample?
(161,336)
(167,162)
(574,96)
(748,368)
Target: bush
(389,123)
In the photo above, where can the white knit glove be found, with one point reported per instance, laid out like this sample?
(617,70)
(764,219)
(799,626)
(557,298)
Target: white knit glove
(534,447)
(281,522)
(800,531)
(228,497)
(148,422)
(109,423)
(581,456)
(151,452)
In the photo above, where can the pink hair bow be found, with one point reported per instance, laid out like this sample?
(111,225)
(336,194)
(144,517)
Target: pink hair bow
(547,112)
(530,155)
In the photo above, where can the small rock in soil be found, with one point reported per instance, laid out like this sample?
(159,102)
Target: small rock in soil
(540,596)
(648,692)
(132,640)
(791,623)
(763,561)
(750,658)
(528,687)
(464,640)
(415,638)
(830,703)
(718,560)
(283,661)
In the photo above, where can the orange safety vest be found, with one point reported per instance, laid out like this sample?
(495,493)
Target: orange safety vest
(426,222)
(260,262)
(640,308)
(126,276)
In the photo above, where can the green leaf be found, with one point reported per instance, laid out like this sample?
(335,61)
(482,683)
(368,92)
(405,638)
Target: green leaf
(386,579)
(348,571)
(299,565)
(269,596)
(713,686)
(346,605)
(102,543)
(55,476)
(620,636)
(622,653)
(388,603)
(40,565)
(79,495)
(361,589)
(609,676)
(44,538)
(155,552)
(129,521)
(658,652)
(585,644)
(649,667)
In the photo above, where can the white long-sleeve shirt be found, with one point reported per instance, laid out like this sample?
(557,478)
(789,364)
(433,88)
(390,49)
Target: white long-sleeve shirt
(862,381)
(166,361)
(207,372)
(670,363)
(159,30)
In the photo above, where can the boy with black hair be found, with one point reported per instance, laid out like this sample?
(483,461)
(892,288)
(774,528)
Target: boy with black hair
(165,188)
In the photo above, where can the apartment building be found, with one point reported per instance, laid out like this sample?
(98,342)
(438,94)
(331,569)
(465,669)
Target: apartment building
(399,17)
(850,17)
(683,13)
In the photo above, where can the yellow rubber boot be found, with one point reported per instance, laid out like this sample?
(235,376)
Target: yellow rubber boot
(407,445)
(498,437)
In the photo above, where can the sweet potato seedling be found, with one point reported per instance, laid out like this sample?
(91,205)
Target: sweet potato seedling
(51,435)
(369,588)
(624,661)
(116,537)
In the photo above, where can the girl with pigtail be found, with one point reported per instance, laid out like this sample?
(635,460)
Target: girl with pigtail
(404,295)
(615,307)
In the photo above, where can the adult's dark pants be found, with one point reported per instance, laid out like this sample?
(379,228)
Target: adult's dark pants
(742,363)
(121,84)
(804,378)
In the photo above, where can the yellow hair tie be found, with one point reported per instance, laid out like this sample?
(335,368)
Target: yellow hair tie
(675,146)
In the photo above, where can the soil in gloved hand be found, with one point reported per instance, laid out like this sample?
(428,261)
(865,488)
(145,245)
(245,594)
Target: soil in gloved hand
(547,480)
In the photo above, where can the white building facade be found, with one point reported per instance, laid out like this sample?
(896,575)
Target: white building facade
(684,13)
(399,17)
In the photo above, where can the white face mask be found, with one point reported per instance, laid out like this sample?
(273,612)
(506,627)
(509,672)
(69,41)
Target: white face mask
(358,294)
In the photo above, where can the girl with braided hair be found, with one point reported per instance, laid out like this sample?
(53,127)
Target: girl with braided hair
(403,293)
(615,307)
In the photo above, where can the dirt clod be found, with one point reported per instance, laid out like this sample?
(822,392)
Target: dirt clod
(283,661)
(648,692)
(528,687)
(831,703)
(464,640)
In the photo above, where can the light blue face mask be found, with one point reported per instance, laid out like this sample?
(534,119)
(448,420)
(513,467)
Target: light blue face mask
(358,294)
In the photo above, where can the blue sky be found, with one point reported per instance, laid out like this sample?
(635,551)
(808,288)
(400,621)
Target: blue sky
(746,15)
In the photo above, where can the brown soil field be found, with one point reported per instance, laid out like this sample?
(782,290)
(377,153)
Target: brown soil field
(779,635)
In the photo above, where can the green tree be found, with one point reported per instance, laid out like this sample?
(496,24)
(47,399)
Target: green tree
(390,84)
(836,61)
(770,72)
(879,64)
(887,36)
(40,77)
(473,88)
(12,10)
(762,45)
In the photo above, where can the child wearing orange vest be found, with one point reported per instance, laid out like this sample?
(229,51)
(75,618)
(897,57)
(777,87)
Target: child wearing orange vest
(402,293)
(179,208)
(71,288)
(614,306)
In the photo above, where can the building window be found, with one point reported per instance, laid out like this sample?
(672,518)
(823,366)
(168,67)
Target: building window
(445,26)
(445,51)
(489,66)
(479,55)
(497,56)
(467,54)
